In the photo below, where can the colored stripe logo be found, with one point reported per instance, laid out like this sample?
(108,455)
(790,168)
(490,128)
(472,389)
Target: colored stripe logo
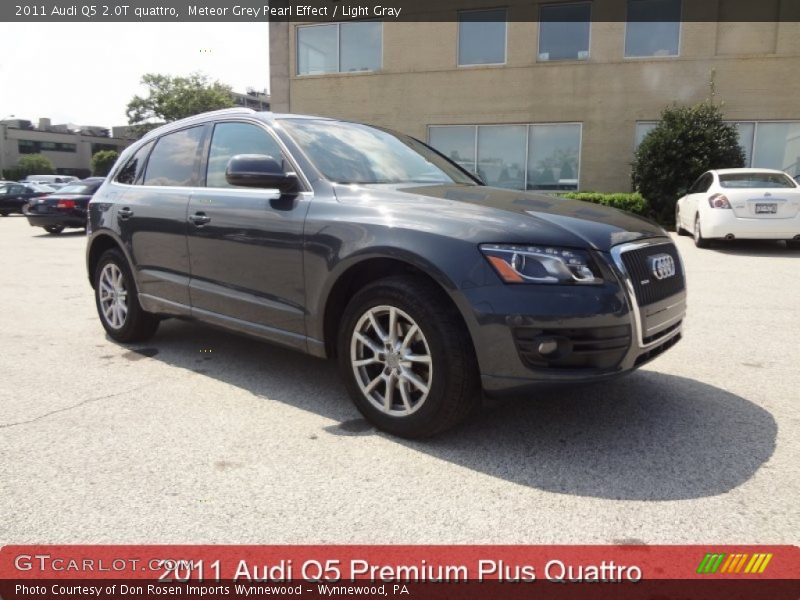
(731,564)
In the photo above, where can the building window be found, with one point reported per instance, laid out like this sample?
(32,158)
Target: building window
(339,48)
(564,31)
(99,147)
(457,143)
(533,157)
(642,129)
(35,147)
(501,155)
(482,37)
(766,144)
(777,146)
(653,28)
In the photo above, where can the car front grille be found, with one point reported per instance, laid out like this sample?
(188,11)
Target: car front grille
(646,286)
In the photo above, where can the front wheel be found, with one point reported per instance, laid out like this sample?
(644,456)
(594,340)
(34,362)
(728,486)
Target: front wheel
(54,229)
(117,303)
(407,359)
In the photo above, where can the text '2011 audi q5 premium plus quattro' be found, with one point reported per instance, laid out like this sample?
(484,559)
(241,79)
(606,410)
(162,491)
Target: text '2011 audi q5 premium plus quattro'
(349,241)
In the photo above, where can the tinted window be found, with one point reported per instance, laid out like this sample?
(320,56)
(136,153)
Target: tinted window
(236,138)
(79,188)
(653,28)
(755,180)
(131,173)
(564,32)
(702,184)
(173,160)
(482,37)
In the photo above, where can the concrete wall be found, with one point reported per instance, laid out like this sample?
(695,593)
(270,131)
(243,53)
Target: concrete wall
(756,68)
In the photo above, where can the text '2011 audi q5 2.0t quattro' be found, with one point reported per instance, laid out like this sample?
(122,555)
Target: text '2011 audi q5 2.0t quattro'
(349,241)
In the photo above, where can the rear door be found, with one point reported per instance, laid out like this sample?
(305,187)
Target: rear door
(152,215)
(246,244)
(761,195)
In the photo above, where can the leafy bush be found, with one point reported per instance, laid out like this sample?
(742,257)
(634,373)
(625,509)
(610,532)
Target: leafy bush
(102,161)
(687,142)
(34,164)
(631,202)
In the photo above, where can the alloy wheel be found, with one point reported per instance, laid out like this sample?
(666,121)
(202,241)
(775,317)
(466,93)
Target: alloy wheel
(391,360)
(113,296)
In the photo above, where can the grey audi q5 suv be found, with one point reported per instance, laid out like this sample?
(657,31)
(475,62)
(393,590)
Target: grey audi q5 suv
(353,242)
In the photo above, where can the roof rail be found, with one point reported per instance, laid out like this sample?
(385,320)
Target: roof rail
(236,110)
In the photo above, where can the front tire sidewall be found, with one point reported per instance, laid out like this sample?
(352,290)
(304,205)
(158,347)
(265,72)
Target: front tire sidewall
(429,418)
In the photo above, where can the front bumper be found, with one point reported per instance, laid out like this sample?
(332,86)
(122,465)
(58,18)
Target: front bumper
(605,331)
(720,223)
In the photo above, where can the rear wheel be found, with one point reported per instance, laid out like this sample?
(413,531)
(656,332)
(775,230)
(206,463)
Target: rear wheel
(54,229)
(407,358)
(699,240)
(117,302)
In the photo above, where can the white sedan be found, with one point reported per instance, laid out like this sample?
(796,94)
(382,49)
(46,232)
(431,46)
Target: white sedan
(751,204)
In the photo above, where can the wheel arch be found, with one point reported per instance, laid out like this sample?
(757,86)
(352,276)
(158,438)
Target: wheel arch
(100,243)
(373,268)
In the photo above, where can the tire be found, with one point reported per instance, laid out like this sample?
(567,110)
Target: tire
(450,375)
(699,240)
(54,229)
(3,214)
(132,324)
(678,229)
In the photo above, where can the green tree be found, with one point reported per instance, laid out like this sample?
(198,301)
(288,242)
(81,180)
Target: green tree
(686,142)
(102,161)
(34,164)
(172,98)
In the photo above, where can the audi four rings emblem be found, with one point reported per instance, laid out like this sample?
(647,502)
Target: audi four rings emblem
(662,266)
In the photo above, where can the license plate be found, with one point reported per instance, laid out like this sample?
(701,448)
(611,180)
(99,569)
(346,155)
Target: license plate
(766,209)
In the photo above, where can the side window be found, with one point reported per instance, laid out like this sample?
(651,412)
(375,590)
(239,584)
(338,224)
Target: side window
(697,185)
(705,183)
(17,189)
(231,139)
(132,172)
(174,158)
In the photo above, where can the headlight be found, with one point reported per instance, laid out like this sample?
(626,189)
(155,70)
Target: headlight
(541,264)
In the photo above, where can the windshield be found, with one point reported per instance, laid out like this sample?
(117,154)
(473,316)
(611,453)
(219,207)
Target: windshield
(755,180)
(78,188)
(354,153)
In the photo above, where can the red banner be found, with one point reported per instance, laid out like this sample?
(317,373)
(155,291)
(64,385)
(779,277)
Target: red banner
(402,571)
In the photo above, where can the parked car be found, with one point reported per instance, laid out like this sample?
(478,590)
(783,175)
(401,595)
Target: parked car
(50,179)
(65,207)
(752,204)
(343,240)
(14,196)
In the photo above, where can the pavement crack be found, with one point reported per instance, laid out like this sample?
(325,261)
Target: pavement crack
(72,407)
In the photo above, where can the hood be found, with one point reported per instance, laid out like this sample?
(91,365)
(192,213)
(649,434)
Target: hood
(526,213)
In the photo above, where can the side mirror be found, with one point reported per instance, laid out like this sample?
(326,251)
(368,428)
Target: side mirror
(262,171)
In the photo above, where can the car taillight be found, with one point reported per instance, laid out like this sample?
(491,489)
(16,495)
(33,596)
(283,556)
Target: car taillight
(66,204)
(718,201)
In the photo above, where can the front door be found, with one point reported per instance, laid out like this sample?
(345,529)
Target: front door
(246,244)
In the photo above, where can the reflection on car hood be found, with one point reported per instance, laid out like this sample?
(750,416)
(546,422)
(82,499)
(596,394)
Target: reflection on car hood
(598,226)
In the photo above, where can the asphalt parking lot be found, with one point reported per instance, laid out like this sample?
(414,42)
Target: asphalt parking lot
(201,436)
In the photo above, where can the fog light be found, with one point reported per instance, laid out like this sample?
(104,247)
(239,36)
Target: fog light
(548,347)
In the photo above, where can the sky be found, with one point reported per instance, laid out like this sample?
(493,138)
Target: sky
(86,73)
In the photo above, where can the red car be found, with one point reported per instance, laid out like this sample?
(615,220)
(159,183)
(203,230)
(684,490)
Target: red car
(65,207)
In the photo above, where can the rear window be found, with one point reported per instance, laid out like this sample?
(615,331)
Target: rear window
(756,180)
(79,188)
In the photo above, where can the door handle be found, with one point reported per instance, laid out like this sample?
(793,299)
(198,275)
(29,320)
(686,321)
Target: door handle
(199,219)
(124,213)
